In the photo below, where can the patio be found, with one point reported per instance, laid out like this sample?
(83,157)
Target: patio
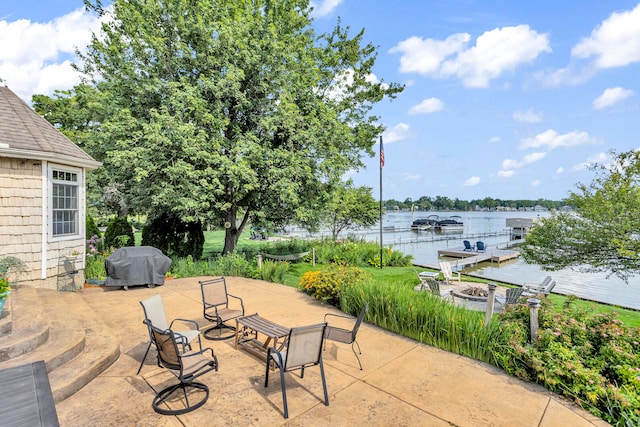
(403,382)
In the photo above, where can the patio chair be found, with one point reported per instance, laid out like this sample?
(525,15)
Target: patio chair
(434,287)
(480,246)
(215,301)
(303,350)
(533,289)
(154,313)
(346,336)
(185,365)
(468,247)
(538,291)
(447,273)
(512,297)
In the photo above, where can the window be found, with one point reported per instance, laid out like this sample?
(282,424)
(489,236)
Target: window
(64,203)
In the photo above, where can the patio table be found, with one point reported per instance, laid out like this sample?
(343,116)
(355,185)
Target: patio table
(248,328)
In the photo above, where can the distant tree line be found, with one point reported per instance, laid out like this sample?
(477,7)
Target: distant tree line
(443,203)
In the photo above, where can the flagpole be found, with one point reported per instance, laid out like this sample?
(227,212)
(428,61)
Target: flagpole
(381,166)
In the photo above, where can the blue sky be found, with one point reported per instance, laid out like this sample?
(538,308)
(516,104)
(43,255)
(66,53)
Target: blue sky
(503,99)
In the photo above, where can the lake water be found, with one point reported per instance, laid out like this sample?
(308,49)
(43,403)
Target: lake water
(490,227)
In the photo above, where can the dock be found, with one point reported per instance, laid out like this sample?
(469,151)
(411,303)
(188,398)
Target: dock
(473,258)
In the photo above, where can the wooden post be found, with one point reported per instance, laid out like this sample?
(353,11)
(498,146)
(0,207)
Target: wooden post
(491,299)
(259,261)
(534,305)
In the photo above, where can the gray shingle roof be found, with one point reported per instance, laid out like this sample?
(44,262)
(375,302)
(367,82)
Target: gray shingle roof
(22,130)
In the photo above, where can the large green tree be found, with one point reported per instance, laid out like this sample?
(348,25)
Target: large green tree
(229,110)
(349,207)
(603,234)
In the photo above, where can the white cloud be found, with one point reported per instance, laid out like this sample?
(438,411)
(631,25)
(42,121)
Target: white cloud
(474,180)
(560,170)
(535,183)
(600,158)
(611,96)
(430,105)
(397,133)
(495,139)
(551,139)
(615,42)
(325,7)
(506,173)
(528,116)
(508,164)
(495,52)
(36,57)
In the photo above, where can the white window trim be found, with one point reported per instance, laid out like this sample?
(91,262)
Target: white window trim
(81,202)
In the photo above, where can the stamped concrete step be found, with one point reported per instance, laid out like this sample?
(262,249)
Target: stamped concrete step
(101,348)
(29,326)
(66,335)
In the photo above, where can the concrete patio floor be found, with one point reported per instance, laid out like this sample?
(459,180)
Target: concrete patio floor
(403,383)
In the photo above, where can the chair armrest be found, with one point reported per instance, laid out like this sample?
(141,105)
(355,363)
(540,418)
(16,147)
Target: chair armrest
(238,298)
(343,316)
(272,352)
(192,322)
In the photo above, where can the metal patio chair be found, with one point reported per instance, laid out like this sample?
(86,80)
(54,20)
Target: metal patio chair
(303,349)
(186,365)
(154,312)
(347,336)
(215,301)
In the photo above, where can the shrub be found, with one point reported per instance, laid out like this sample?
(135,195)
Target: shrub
(173,236)
(592,358)
(119,233)
(91,228)
(329,283)
(236,265)
(274,271)
(358,253)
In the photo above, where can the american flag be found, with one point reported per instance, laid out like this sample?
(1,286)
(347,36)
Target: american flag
(381,153)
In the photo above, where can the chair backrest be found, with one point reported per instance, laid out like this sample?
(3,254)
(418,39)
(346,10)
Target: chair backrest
(513,295)
(434,286)
(480,246)
(548,289)
(445,267)
(359,320)
(214,292)
(165,342)
(545,282)
(154,312)
(467,245)
(304,346)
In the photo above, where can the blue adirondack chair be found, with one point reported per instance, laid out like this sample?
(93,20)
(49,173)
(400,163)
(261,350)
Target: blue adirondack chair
(480,247)
(468,247)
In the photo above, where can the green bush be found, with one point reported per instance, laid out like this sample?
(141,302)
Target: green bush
(119,233)
(592,358)
(173,236)
(329,283)
(91,228)
(358,253)
(274,271)
(236,265)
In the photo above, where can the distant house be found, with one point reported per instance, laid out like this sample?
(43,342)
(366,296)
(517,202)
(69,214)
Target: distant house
(42,193)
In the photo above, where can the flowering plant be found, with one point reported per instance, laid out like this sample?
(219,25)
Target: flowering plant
(4,284)
(7,263)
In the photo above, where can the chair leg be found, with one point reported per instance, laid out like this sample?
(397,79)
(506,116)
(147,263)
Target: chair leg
(324,384)
(219,327)
(284,394)
(354,352)
(164,395)
(144,358)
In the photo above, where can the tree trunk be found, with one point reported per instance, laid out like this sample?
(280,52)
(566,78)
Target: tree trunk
(231,232)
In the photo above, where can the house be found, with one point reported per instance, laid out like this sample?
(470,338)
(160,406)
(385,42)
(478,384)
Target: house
(42,195)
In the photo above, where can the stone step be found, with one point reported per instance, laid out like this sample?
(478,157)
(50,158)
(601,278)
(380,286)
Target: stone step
(29,327)
(80,346)
(101,347)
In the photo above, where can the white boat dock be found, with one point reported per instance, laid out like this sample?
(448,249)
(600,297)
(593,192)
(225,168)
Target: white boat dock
(473,258)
